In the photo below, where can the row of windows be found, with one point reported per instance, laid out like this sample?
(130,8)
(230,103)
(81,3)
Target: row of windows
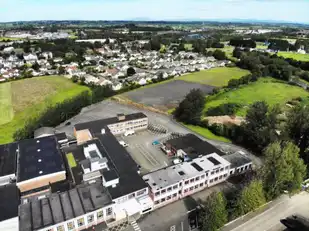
(166,199)
(217,178)
(81,221)
(132,195)
(192,188)
(195,179)
(169,189)
(219,170)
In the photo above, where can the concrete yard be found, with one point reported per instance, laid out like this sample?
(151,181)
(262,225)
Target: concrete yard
(166,95)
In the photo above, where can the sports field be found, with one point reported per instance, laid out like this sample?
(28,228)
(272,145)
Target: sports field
(27,98)
(293,55)
(265,89)
(216,77)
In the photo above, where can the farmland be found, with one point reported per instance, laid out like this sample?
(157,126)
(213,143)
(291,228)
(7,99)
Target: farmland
(216,77)
(265,89)
(293,55)
(28,98)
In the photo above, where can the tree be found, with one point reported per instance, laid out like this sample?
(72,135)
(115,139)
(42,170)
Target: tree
(220,55)
(283,169)
(190,109)
(251,197)
(214,214)
(260,127)
(61,70)
(131,71)
(237,53)
(36,66)
(74,79)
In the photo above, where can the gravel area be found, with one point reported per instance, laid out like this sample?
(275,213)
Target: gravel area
(167,95)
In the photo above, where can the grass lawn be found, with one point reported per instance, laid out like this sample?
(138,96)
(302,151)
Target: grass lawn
(7,113)
(265,89)
(30,97)
(206,133)
(227,49)
(12,39)
(216,76)
(71,160)
(293,55)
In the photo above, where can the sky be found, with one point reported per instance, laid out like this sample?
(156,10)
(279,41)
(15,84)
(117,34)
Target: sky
(279,10)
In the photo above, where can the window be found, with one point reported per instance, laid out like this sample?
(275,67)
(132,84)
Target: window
(186,190)
(227,167)
(169,189)
(196,186)
(157,193)
(225,175)
(221,170)
(249,165)
(109,211)
(100,214)
(175,186)
(206,173)
(132,195)
(192,180)
(186,182)
(216,178)
(201,184)
(197,178)
(217,170)
(60,228)
(203,176)
(71,225)
(212,173)
(246,167)
(175,195)
(80,222)
(162,200)
(90,219)
(163,191)
(169,197)
(211,181)
(231,172)
(141,192)
(191,188)
(220,177)
(180,184)
(157,202)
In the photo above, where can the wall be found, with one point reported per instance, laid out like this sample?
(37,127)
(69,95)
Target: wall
(6,179)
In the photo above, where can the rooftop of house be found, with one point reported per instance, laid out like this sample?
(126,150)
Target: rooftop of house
(9,202)
(59,207)
(8,159)
(237,159)
(193,146)
(38,157)
(95,126)
(186,170)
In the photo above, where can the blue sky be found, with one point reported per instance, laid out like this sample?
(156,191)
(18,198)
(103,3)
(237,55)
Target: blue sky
(283,10)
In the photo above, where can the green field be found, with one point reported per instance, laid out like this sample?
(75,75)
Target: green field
(216,77)
(7,113)
(265,89)
(206,133)
(293,55)
(30,97)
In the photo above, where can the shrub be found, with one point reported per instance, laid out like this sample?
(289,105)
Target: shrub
(223,109)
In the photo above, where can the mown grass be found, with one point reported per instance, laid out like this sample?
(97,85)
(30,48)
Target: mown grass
(6,108)
(216,77)
(293,55)
(31,97)
(207,133)
(265,89)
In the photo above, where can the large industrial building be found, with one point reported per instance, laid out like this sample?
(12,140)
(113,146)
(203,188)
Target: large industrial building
(49,185)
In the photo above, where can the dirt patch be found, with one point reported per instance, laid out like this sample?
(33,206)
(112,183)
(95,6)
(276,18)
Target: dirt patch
(237,120)
(165,96)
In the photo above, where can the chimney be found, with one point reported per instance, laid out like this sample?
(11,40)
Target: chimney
(121,117)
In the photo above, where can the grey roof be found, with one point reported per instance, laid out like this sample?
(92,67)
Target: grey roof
(237,159)
(47,131)
(9,201)
(61,207)
(8,159)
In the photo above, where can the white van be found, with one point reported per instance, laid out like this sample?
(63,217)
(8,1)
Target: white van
(128,133)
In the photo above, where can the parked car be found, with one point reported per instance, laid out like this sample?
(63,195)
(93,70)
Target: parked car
(123,144)
(128,133)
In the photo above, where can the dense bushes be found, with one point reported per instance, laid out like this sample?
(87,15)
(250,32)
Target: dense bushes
(243,43)
(223,109)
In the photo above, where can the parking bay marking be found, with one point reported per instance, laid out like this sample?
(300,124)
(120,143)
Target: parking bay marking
(148,156)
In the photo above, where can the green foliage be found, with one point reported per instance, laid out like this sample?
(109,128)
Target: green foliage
(251,197)
(219,54)
(190,109)
(283,169)
(223,109)
(214,214)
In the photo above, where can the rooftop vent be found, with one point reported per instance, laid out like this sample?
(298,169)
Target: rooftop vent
(181,173)
(121,117)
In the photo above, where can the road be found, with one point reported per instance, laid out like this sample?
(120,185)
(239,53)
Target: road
(269,220)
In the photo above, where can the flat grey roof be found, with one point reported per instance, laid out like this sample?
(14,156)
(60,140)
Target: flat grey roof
(64,206)
(237,159)
(173,174)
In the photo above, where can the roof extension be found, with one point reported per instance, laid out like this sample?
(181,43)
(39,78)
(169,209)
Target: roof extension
(61,207)
(237,159)
(193,146)
(38,157)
